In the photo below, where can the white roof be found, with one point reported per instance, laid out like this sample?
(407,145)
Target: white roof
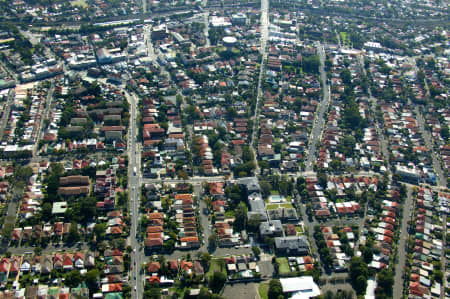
(303,287)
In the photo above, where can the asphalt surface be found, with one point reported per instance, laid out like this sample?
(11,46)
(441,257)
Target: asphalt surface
(402,252)
(441,180)
(373,104)
(134,174)
(264,38)
(7,111)
(204,221)
(44,116)
(319,121)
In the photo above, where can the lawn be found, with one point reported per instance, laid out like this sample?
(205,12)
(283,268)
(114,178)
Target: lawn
(286,205)
(299,229)
(345,39)
(229,214)
(272,206)
(217,265)
(263,289)
(284,265)
(79,3)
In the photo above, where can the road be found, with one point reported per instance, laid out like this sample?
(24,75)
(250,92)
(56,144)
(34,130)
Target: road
(373,106)
(441,179)
(338,37)
(264,38)
(319,120)
(402,252)
(44,116)
(440,176)
(7,111)
(144,6)
(50,249)
(192,180)
(134,174)
(206,29)
(204,220)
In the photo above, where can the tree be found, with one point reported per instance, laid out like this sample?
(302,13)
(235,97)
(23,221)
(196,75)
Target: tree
(253,223)
(73,279)
(256,251)
(73,236)
(445,132)
(322,178)
(212,241)
(346,77)
(265,187)
(275,289)
(182,174)
(206,259)
(358,274)
(240,221)
(46,211)
(99,231)
(385,281)
(152,293)
(360,285)
(92,278)
(217,281)
(367,254)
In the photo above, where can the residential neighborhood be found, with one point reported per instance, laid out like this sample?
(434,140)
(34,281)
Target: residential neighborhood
(224,149)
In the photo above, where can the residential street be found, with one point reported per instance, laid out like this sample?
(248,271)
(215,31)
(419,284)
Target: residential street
(402,250)
(6,112)
(260,94)
(440,176)
(319,120)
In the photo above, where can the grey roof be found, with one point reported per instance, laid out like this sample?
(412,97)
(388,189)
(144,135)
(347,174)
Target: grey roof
(292,243)
(271,227)
(251,183)
(257,205)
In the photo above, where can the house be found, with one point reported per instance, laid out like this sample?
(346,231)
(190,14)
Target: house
(292,245)
(153,267)
(271,228)
(300,287)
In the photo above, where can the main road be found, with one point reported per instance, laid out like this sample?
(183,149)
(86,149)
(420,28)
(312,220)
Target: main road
(319,121)
(134,174)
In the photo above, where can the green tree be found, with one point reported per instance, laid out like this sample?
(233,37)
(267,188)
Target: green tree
(74,235)
(256,251)
(360,285)
(206,259)
(152,293)
(275,289)
(385,281)
(73,279)
(240,221)
(212,241)
(92,278)
(358,273)
(217,281)
(253,223)
(322,178)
